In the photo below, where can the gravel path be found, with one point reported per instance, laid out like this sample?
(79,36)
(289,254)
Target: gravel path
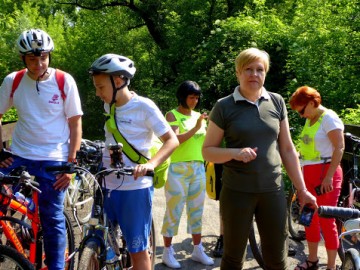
(183,245)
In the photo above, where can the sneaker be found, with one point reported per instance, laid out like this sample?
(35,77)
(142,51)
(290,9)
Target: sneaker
(199,255)
(219,247)
(169,259)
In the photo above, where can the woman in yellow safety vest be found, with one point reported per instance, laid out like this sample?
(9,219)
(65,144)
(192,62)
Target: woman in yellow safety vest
(321,147)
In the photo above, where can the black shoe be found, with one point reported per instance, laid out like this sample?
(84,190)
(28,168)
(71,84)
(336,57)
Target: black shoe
(219,247)
(291,251)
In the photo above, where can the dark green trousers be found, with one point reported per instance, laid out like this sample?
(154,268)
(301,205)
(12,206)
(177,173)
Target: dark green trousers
(238,210)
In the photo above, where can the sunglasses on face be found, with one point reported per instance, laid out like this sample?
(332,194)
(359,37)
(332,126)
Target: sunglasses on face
(303,110)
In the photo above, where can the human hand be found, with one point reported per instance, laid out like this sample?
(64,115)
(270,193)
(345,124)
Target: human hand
(5,158)
(326,185)
(246,154)
(142,169)
(62,181)
(306,198)
(199,122)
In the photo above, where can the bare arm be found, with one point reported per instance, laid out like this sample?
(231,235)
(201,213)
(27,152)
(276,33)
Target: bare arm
(292,165)
(75,124)
(186,135)
(1,139)
(170,142)
(212,150)
(337,140)
(63,180)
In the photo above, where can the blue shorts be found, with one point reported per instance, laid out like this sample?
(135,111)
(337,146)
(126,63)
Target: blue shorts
(132,210)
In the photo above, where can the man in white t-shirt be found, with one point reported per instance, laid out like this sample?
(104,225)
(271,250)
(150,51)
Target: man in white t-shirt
(128,201)
(48,133)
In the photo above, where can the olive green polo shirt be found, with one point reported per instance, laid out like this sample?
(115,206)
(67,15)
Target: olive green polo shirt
(248,124)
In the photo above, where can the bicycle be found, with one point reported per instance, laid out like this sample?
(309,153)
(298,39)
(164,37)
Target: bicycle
(296,230)
(80,193)
(349,197)
(100,236)
(20,226)
(10,259)
(350,235)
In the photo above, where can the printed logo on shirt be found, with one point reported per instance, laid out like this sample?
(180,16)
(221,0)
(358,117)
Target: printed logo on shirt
(125,121)
(54,99)
(306,139)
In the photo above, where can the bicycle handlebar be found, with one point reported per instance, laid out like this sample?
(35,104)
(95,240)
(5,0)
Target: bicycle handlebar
(123,171)
(72,168)
(66,168)
(23,178)
(338,212)
(352,137)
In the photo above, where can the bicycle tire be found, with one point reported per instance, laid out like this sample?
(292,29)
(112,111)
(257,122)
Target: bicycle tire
(352,260)
(70,237)
(70,245)
(85,198)
(255,247)
(88,259)
(12,259)
(296,230)
(152,244)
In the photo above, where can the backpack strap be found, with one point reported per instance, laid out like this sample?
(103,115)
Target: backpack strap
(18,76)
(59,75)
(60,79)
(129,150)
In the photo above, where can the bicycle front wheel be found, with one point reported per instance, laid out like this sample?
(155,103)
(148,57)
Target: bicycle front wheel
(296,230)
(352,260)
(11,259)
(85,197)
(70,244)
(255,245)
(152,245)
(89,257)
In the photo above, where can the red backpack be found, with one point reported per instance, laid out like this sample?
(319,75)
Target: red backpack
(60,79)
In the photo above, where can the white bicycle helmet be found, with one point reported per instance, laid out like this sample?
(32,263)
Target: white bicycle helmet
(34,41)
(114,64)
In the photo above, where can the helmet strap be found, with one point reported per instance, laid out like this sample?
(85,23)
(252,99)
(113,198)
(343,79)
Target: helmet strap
(115,89)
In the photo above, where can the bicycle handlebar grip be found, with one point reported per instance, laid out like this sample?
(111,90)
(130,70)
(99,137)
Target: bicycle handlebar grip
(131,170)
(352,137)
(66,168)
(5,154)
(7,179)
(338,212)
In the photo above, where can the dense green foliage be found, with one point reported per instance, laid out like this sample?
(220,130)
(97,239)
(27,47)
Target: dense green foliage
(310,42)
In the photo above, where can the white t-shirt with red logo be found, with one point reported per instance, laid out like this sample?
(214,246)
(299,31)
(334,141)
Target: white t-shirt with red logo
(42,130)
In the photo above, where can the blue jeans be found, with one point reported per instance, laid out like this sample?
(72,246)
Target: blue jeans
(51,207)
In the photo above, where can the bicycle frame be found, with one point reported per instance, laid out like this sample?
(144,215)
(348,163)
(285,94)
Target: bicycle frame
(353,189)
(9,232)
(356,258)
(71,197)
(35,246)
